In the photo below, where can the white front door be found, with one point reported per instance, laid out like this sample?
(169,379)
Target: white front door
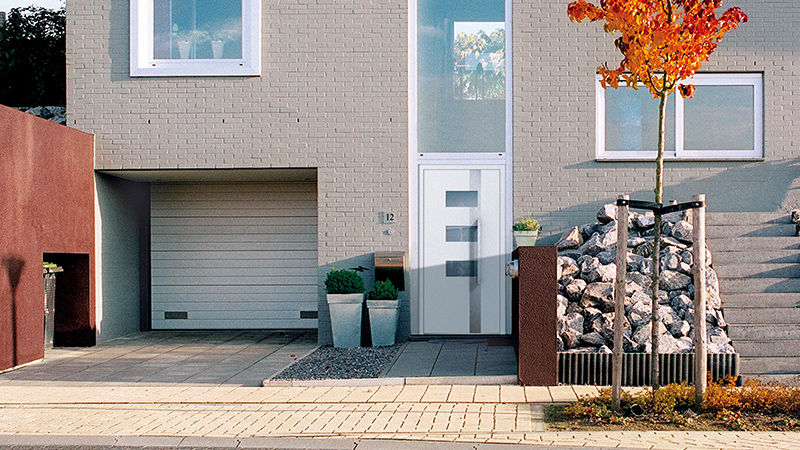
(462,236)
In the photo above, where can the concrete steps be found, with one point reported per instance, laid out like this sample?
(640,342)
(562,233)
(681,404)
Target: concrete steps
(762,230)
(759,315)
(757,258)
(739,243)
(775,348)
(722,258)
(762,300)
(758,270)
(758,285)
(768,365)
(764,331)
(738,218)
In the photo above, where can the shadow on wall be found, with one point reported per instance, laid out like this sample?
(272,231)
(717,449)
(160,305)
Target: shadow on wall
(737,187)
(13,267)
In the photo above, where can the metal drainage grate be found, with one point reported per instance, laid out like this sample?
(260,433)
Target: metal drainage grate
(595,368)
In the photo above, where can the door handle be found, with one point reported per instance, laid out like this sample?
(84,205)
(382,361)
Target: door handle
(478,251)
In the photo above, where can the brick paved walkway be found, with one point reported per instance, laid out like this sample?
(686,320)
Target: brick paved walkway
(492,414)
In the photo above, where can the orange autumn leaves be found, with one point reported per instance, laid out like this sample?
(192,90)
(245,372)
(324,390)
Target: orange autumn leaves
(662,41)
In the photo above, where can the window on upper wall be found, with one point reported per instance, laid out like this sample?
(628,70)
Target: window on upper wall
(724,120)
(195,37)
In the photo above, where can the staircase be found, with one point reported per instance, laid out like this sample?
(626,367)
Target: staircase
(757,259)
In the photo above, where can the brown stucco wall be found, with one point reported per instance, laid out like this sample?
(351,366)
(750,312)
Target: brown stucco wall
(535,293)
(46,206)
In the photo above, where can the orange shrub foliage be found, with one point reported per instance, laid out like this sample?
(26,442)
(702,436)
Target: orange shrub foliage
(752,397)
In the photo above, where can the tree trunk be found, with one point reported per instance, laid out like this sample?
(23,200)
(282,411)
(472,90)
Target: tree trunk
(659,191)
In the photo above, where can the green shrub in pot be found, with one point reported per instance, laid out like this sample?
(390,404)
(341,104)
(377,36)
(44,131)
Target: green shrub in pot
(383,309)
(345,298)
(383,290)
(343,282)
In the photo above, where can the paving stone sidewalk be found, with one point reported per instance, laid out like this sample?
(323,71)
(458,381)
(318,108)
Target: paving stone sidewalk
(431,413)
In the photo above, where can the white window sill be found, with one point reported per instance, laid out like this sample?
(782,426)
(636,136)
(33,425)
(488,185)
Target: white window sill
(617,159)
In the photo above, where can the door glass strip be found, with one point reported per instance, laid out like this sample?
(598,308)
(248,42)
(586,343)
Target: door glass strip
(461,268)
(461,199)
(461,233)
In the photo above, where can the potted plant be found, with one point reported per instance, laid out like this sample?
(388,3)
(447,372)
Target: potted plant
(218,40)
(383,305)
(526,230)
(186,39)
(345,295)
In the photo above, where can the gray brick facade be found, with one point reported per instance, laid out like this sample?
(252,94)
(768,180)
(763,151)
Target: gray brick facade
(556,176)
(333,95)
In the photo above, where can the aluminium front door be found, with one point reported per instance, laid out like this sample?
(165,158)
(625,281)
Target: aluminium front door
(462,250)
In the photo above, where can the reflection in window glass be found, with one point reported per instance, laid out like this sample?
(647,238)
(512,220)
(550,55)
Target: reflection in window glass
(461,198)
(461,268)
(461,71)
(461,233)
(632,120)
(719,118)
(479,61)
(197,29)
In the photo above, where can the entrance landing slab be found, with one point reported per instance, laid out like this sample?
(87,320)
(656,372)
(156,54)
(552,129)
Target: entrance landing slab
(455,357)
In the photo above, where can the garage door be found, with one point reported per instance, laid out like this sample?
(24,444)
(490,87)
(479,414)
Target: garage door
(234,255)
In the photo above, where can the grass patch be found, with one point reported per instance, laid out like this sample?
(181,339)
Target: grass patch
(752,407)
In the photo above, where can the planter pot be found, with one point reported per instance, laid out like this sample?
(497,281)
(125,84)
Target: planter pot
(346,319)
(184,49)
(525,238)
(216,49)
(383,321)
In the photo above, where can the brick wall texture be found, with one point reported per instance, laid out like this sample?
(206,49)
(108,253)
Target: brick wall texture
(333,94)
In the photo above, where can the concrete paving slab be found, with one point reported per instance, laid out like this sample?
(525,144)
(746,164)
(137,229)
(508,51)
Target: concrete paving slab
(243,358)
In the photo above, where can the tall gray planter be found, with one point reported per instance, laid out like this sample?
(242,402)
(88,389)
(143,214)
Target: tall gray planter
(383,321)
(346,319)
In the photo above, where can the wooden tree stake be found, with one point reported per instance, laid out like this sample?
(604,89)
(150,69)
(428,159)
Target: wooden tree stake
(619,301)
(699,253)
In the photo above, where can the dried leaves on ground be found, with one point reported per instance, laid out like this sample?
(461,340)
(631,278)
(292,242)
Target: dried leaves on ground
(752,407)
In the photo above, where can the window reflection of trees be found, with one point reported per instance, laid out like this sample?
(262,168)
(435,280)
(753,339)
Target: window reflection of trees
(479,62)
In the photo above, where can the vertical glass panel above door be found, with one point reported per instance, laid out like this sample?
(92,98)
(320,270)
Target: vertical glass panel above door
(197,29)
(461,76)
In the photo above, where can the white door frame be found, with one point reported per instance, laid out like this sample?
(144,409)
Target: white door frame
(415,160)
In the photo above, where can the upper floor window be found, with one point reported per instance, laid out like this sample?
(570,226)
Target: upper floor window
(724,120)
(195,37)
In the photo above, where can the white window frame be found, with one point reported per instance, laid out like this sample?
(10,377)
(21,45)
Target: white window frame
(680,153)
(143,64)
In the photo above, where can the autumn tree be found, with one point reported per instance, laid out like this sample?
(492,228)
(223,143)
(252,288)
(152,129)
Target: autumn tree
(663,43)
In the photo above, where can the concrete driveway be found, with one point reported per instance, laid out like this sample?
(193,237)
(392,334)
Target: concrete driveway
(238,358)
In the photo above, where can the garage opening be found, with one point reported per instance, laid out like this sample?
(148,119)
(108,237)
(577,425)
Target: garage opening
(234,255)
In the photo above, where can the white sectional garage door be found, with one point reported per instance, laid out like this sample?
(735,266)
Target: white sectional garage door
(234,255)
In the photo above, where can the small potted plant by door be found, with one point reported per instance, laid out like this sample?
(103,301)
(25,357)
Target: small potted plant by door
(345,295)
(526,230)
(383,305)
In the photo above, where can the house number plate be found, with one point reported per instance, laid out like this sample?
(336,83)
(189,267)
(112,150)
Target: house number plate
(387,217)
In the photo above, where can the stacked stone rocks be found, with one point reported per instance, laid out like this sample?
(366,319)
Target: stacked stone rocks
(587,270)
(57,114)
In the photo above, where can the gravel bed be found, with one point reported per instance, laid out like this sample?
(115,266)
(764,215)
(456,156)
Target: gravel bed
(341,363)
